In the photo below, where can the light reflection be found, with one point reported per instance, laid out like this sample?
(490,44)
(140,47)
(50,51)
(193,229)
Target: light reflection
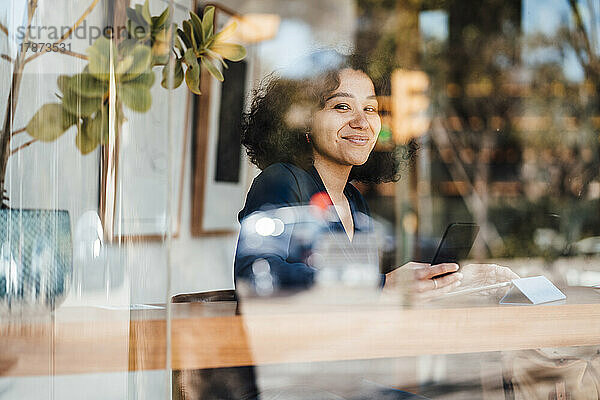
(279,227)
(265,226)
(9,266)
(265,249)
(263,280)
(97,247)
(88,236)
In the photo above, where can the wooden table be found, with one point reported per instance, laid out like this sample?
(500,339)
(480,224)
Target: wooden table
(85,340)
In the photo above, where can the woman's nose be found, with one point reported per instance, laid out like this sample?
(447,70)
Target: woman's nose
(359,121)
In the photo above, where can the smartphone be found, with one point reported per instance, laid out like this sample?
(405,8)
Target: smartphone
(455,244)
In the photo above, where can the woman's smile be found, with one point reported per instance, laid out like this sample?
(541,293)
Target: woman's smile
(358,140)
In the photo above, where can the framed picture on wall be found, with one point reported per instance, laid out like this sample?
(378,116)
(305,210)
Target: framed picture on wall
(219,168)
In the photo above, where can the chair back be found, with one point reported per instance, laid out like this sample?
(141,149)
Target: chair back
(236,383)
(205,297)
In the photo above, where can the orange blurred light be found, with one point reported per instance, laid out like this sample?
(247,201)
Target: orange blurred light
(409,104)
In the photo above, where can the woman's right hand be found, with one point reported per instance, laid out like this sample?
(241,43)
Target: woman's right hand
(419,282)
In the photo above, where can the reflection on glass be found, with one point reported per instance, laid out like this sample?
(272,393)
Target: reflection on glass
(267,235)
(491,108)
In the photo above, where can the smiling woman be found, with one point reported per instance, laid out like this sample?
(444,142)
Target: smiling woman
(344,133)
(282,116)
(311,138)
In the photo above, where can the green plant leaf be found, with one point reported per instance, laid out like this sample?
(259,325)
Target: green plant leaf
(161,20)
(154,26)
(192,79)
(97,128)
(139,12)
(208,18)
(190,58)
(87,86)
(132,15)
(79,105)
(126,46)
(87,138)
(161,48)
(226,33)
(124,65)
(146,12)
(187,29)
(68,119)
(177,75)
(192,74)
(186,41)
(197,27)
(160,59)
(214,71)
(49,122)
(138,31)
(142,57)
(99,58)
(129,26)
(146,79)
(230,51)
(135,96)
(63,82)
(178,44)
(216,56)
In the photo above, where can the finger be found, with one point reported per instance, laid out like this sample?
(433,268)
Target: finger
(404,273)
(441,269)
(505,273)
(416,265)
(432,294)
(435,270)
(427,285)
(448,280)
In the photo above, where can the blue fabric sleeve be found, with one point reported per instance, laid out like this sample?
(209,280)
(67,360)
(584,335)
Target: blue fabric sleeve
(275,187)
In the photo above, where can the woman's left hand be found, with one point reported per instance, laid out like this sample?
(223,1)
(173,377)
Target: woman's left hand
(477,275)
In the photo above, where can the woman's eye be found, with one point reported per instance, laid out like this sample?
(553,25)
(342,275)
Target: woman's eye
(342,106)
(371,109)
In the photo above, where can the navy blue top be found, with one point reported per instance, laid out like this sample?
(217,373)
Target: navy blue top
(285,185)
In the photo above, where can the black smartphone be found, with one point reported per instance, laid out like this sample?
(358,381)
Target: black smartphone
(455,244)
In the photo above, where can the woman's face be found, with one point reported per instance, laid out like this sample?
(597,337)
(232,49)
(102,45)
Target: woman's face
(346,129)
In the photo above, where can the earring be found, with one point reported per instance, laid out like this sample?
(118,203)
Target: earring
(307,138)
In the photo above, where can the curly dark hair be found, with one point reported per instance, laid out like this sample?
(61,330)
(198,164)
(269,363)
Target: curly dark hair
(274,129)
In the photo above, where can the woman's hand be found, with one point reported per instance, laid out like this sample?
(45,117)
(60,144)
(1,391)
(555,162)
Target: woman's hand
(477,275)
(419,281)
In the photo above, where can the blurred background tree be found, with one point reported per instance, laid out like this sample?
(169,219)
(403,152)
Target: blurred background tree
(514,145)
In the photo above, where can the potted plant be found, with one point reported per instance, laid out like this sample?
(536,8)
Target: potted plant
(35,245)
